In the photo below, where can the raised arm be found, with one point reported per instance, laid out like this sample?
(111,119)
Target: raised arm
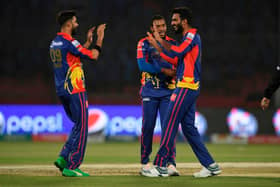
(77,49)
(89,37)
(169,57)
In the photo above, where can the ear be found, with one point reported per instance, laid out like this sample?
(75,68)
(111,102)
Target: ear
(68,23)
(185,21)
(152,29)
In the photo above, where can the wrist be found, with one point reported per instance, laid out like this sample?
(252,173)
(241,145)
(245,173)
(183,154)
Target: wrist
(99,42)
(88,43)
(98,48)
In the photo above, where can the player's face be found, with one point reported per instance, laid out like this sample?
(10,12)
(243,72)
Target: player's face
(176,23)
(75,25)
(160,26)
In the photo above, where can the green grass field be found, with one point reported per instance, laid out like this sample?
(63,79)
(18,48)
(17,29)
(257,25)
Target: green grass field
(30,153)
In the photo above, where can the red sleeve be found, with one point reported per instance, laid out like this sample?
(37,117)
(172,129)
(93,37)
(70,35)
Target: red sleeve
(169,59)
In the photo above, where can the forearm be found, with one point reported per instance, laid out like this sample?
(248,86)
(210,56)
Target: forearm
(169,57)
(97,48)
(99,41)
(147,67)
(164,44)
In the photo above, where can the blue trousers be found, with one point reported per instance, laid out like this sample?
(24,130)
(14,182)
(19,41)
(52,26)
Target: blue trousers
(150,108)
(181,109)
(76,108)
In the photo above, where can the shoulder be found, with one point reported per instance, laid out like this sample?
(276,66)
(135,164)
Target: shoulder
(72,42)
(143,41)
(75,42)
(57,42)
(191,34)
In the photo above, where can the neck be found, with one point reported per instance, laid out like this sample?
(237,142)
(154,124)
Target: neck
(186,29)
(66,30)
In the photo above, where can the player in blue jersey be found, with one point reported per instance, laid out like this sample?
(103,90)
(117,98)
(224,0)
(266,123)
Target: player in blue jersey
(157,86)
(66,53)
(181,108)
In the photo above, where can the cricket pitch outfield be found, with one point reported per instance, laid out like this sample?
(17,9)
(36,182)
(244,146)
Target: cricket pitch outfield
(248,169)
(117,164)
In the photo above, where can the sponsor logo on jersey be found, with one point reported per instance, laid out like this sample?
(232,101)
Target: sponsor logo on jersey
(190,35)
(54,43)
(75,43)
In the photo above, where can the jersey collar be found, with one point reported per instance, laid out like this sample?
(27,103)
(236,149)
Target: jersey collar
(65,35)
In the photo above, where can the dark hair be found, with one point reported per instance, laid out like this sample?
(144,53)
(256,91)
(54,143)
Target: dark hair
(184,12)
(64,16)
(157,17)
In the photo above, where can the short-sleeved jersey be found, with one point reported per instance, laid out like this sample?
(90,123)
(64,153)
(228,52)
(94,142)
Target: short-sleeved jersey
(188,61)
(154,82)
(66,54)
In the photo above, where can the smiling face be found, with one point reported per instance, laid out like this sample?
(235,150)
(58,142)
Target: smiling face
(160,26)
(176,23)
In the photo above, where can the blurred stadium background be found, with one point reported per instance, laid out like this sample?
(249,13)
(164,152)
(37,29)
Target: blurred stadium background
(241,47)
(240,50)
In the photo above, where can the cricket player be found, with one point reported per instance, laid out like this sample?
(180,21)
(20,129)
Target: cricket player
(66,53)
(157,86)
(271,88)
(181,108)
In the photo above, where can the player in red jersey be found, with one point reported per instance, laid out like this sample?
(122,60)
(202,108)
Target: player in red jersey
(66,53)
(158,83)
(182,104)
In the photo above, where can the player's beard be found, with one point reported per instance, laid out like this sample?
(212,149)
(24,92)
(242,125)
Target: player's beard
(179,29)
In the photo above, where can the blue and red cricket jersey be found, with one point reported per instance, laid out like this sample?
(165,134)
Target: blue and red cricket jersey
(66,54)
(182,106)
(187,57)
(154,82)
(155,94)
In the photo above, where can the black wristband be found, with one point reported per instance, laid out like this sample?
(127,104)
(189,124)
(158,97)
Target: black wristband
(98,48)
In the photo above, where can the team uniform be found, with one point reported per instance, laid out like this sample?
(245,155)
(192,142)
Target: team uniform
(181,109)
(65,53)
(155,92)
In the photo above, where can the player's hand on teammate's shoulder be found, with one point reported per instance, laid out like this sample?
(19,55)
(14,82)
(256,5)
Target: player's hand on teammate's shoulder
(265,103)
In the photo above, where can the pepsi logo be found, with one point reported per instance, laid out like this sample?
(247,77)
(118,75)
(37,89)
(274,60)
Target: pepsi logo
(2,123)
(276,122)
(97,120)
(242,123)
